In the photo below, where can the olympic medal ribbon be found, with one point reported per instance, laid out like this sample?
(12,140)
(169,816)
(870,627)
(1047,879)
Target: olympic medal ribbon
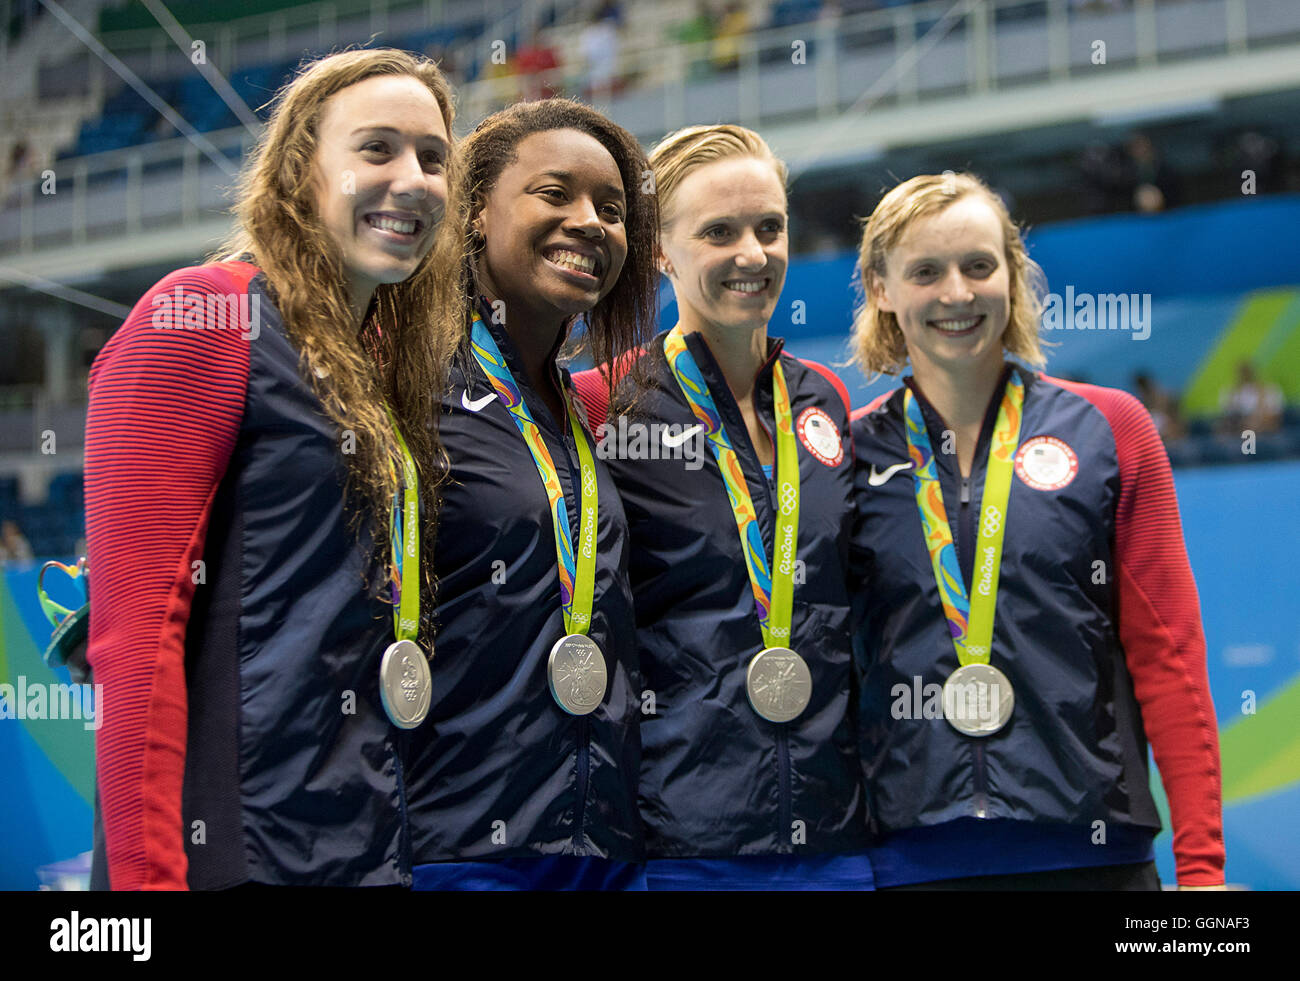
(772,584)
(577,572)
(969,614)
(405,542)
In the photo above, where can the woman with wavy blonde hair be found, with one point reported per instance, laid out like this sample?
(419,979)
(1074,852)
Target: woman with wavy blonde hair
(1028,619)
(259,449)
(878,344)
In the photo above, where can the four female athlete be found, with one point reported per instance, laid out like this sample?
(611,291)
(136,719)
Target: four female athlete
(735,470)
(1027,614)
(257,450)
(525,774)
(1029,618)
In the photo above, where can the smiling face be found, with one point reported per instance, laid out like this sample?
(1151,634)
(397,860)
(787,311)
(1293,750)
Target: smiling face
(553,228)
(947,283)
(380,178)
(724,244)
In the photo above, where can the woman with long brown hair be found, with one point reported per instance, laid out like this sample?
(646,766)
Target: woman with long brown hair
(526,774)
(258,452)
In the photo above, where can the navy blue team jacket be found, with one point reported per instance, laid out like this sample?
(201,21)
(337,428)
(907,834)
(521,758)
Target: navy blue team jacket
(499,771)
(243,720)
(718,780)
(1097,629)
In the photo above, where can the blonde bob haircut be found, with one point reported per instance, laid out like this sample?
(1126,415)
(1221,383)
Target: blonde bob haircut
(878,346)
(688,149)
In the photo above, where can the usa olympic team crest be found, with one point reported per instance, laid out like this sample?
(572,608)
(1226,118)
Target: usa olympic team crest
(1046,463)
(820,436)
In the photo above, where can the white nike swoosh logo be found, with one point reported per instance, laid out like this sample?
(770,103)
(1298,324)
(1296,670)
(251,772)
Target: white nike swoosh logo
(477,403)
(876,479)
(672,442)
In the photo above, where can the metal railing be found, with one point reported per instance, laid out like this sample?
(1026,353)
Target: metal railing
(105,195)
(226,37)
(883,56)
(28,413)
(281,34)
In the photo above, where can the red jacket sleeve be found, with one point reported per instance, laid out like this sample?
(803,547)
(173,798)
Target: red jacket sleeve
(593,392)
(166,398)
(592,386)
(871,406)
(1160,627)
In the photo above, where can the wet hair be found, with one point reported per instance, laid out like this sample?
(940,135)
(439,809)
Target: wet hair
(878,345)
(399,358)
(626,317)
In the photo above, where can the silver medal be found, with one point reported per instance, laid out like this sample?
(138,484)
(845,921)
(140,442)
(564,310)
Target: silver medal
(978,699)
(405,684)
(576,674)
(779,684)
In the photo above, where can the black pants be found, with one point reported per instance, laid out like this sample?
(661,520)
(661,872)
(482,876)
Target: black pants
(1138,877)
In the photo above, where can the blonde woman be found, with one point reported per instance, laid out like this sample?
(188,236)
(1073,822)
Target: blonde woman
(258,449)
(735,470)
(1029,619)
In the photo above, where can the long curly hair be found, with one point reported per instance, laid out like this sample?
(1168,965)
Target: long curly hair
(625,319)
(399,357)
(878,345)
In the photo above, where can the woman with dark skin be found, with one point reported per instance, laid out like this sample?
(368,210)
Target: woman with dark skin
(525,776)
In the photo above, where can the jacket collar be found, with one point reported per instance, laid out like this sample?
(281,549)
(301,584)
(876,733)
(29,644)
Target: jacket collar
(511,353)
(712,373)
(936,423)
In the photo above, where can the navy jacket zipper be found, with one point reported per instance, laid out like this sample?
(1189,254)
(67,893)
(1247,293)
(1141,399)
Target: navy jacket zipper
(584,722)
(967,539)
(785,775)
(965,544)
(404,847)
(584,763)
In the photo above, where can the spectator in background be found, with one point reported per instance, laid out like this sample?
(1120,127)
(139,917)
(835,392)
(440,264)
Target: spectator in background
(503,78)
(1102,169)
(1261,155)
(830,10)
(696,30)
(600,49)
(22,13)
(445,58)
(22,168)
(1163,406)
(1151,182)
(538,66)
(735,24)
(13,544)
(22,162)
(1255,405)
